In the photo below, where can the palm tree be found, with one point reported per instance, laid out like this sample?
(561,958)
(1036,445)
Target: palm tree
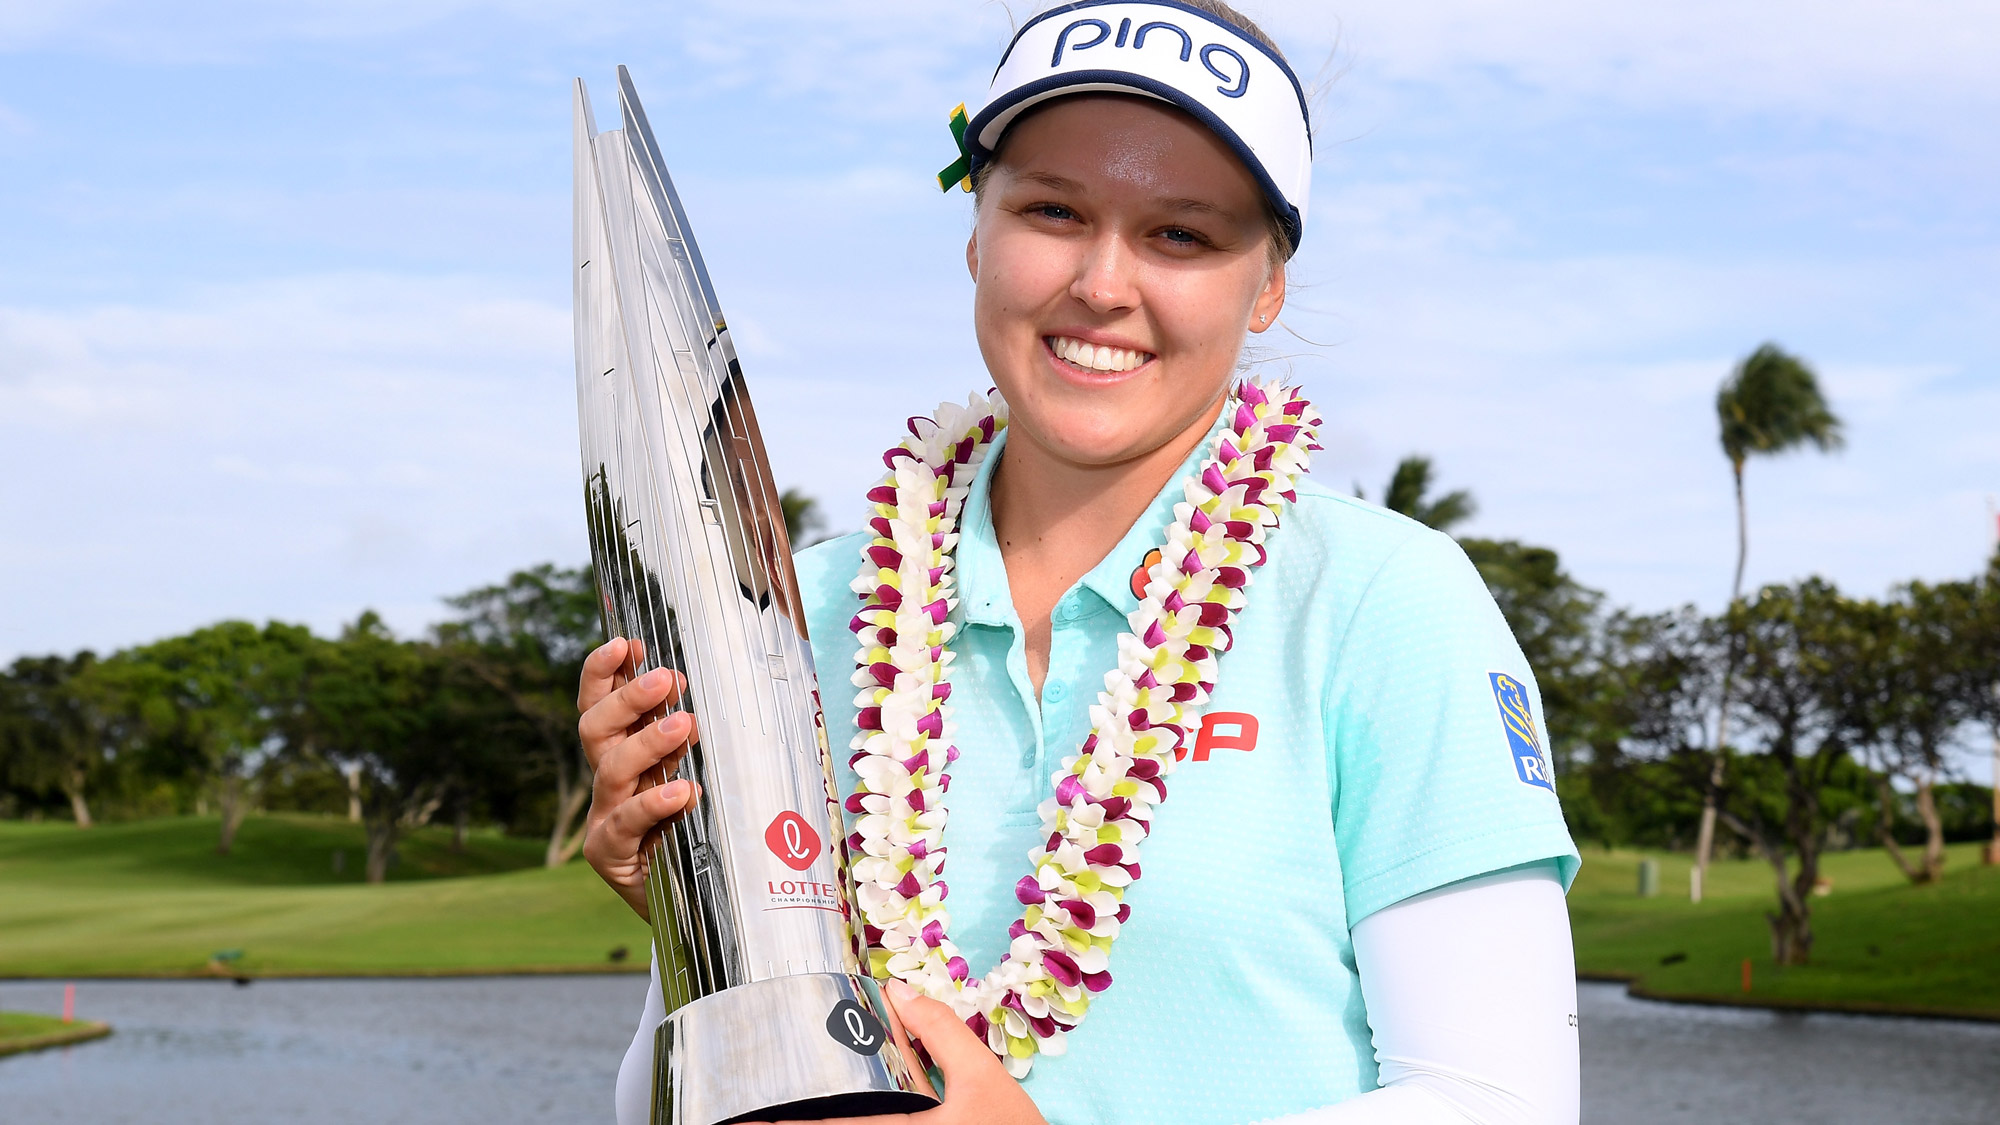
(1770,404)
(801,516)
(1406,495)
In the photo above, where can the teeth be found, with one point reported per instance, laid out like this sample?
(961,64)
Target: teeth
(1095,357)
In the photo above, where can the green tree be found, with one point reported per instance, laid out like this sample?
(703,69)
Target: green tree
(1802,648)
(802,517)
(526,639)
(1555,619)
(1408,494)
(394,712)
(1983,648)
(224,698)
(1929,685)
(1770,404)
(1655,685)
(57,719)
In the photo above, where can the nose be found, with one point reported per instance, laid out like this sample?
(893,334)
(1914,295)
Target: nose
(1104,277)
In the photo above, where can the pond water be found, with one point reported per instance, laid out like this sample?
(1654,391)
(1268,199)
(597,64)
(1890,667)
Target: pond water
(500,1050)
(1647,1063)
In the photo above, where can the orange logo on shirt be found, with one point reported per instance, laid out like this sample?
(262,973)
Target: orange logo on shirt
(1223,730)
(1140,577)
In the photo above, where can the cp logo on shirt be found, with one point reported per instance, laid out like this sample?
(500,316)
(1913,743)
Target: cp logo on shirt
(1222,730)
(1519,723)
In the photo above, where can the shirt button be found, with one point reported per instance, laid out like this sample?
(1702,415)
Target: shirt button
(1054,692)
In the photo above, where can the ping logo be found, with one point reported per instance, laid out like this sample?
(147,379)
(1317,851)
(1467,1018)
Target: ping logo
(1519,722)
(1175,37)
(792,840)
(1222,730)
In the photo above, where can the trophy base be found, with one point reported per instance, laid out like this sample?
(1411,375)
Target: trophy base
(799,1048)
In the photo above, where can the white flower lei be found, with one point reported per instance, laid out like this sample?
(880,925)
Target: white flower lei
(1105,792)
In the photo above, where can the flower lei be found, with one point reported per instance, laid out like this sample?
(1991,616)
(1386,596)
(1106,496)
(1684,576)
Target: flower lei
(1104,793)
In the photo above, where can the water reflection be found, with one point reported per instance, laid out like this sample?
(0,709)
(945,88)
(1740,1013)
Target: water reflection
(491,1050)
(1646,1063)
(497,1050)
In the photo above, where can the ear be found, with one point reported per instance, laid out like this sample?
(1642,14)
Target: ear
(1270,300)
(972,253)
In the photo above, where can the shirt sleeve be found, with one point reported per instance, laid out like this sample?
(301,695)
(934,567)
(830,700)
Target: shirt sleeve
(1471,994)
(632,1097)
(1435,736)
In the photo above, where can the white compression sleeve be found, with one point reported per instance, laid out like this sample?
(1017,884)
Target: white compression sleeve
(1471,993)
(633,1096)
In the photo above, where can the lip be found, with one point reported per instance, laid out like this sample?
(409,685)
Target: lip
(1090,377)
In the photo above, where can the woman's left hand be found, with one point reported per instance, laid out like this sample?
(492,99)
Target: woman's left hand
(978,1089)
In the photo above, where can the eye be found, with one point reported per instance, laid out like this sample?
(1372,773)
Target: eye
(1185,240)
(1054,211)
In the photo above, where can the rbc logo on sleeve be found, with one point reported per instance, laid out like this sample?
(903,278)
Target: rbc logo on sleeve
(1519,722)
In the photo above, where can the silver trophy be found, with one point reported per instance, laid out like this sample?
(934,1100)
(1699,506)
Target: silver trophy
(768,1012)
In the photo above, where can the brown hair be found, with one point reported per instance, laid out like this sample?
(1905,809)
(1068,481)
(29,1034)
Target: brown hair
(1281,239)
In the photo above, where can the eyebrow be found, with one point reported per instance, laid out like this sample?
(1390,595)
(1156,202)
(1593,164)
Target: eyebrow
(1201,206)
(1175,203)
(1050,180)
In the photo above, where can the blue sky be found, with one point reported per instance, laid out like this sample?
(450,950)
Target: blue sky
(284,306)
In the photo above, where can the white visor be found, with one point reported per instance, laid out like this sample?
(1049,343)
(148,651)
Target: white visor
(1161,49)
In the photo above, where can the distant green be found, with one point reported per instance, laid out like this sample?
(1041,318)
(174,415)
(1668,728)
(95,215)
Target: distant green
(152,898)
(1880,943)
(30,1031)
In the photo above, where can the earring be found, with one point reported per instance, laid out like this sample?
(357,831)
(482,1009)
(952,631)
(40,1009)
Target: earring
(1262,318)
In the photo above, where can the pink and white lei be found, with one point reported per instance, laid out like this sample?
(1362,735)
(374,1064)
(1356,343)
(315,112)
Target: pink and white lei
(1073,903)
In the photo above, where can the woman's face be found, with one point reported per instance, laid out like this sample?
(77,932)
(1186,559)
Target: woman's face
(1119,254)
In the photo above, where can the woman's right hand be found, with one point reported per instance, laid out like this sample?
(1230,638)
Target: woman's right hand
(624,747)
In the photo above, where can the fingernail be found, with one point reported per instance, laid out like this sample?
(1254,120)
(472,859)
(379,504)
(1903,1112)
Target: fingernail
(656,680)
(899,992)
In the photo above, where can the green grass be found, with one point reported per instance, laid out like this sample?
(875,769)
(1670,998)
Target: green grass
(1879,941)
(152,898)
(29,1031)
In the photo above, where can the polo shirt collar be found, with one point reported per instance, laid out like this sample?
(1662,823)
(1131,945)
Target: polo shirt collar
(984,596)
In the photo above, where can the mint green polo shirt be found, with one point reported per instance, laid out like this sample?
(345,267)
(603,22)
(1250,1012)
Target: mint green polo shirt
(1373,735)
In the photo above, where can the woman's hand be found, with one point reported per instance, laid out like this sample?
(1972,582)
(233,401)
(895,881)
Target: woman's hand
(624,743)
(978,1090)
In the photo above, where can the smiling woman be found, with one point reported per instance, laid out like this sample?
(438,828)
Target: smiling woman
(1352,911)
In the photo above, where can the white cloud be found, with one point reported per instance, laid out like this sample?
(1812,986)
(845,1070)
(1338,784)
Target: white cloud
(1851,59)
(1575,397)
(309,446)
(300,448)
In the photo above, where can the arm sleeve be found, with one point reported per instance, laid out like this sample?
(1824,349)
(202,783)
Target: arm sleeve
(633,1096)
(1471,994)
(1435,735)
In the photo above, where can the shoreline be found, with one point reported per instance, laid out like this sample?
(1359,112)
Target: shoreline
(1633,988)
(80,1031)
(1639,991)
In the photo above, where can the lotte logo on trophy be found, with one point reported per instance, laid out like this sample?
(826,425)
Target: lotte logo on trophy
(768,1012)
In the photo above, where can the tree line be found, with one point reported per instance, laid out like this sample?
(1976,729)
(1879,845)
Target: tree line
(475,722)
(1800,718)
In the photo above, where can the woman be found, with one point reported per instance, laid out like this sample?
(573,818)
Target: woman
(1352,909)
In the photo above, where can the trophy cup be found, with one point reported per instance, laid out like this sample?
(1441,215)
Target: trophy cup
(768,1012)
